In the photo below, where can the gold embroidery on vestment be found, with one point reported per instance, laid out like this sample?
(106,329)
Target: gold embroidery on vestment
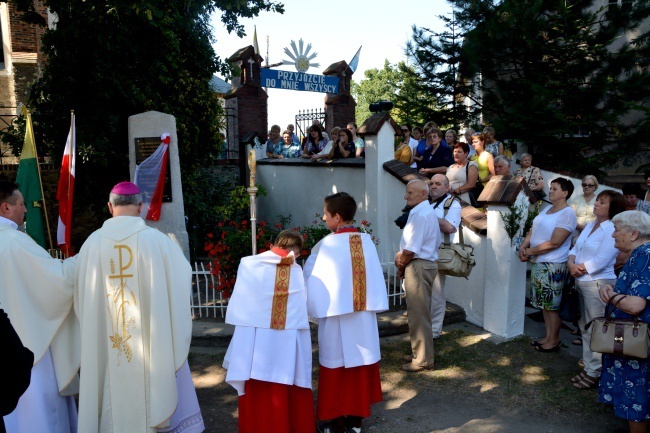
(281,293)
(358,273)
(118,303)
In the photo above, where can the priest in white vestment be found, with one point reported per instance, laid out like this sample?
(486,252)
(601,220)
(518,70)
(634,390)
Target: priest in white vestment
(36,294)
(132,297)
(269,356)
(345,290)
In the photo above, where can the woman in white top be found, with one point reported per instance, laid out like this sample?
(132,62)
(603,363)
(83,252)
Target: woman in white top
(463,174)
(548,245)
(583,205)
(591,263)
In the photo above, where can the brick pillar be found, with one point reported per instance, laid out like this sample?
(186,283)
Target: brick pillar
(247,96)
(339,109)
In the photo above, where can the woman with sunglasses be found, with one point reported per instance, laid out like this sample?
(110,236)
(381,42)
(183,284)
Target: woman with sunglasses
(583,204)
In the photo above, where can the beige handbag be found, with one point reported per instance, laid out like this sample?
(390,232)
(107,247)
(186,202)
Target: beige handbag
(455,260)
(624,337)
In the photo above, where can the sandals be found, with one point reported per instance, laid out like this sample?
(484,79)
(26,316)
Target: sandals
(584,381)
(577,341)
(576,332)
(555,348)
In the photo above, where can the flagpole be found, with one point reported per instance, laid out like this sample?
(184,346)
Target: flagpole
(40,182)
(72,133)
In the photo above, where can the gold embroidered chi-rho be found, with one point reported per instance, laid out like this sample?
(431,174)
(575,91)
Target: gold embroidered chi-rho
(120,299)
(281,293)
(358,273)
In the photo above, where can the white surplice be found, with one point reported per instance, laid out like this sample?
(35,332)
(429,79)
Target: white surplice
(36,294)
(132,298)
(256,351)
(346,338)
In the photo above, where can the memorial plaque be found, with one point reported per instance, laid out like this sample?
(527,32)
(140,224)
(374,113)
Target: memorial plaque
(144,148)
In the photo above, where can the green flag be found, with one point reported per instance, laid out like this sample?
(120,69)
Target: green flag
(29,182)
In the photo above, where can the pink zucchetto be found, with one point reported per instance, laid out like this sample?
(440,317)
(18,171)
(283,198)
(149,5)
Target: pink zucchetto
(125,188)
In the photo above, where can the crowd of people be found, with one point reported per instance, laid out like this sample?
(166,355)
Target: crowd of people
(340,143)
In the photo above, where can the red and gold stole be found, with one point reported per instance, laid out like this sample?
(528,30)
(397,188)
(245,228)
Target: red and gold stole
(358,269)
(281,290)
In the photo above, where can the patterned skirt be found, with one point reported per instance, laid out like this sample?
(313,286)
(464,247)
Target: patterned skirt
(547,281)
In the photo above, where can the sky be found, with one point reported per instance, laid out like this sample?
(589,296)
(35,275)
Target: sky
(335,29)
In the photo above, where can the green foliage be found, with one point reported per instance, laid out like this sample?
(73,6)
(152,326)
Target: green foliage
(436,59)
(529,219)
(544,72)
(512,220)
(396,83)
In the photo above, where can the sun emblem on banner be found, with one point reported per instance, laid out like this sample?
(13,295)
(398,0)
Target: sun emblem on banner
(301,57)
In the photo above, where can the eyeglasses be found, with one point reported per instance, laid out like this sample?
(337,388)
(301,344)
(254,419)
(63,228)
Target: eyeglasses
(405,130)
(587,185)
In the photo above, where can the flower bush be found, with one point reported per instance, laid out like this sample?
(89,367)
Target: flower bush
(230,240)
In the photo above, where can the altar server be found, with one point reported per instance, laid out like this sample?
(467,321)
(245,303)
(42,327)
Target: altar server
(345,290)
(132,298)
(269,357)
(36,294)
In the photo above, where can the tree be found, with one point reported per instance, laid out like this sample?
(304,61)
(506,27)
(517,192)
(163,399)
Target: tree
(396,83)
(436,58)
(560,75)
(113,59)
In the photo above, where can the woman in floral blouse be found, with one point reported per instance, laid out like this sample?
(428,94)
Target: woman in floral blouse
(625,382)
(533,175)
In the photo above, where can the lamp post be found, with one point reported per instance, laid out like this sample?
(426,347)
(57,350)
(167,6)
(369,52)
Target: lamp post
(252,191)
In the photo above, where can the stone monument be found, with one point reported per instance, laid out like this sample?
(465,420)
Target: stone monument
(145,130)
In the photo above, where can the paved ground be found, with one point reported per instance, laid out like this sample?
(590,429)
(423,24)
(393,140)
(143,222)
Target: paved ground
(410,405)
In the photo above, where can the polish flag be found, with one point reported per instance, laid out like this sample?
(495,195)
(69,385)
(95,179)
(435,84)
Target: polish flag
(65,191)
(150,178)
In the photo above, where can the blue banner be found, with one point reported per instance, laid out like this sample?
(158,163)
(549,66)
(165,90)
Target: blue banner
(299,81)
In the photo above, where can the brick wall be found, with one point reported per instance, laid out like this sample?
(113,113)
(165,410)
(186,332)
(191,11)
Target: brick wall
(25,37)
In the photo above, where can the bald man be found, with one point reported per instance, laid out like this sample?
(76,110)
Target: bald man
(417,265)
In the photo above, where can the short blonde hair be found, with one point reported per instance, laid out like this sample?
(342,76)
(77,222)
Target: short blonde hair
(592,178)
(335,131)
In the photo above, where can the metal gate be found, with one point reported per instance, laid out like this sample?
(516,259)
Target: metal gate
(304,119)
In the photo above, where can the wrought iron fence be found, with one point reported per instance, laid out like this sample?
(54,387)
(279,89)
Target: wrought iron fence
(305,118)
(207,301)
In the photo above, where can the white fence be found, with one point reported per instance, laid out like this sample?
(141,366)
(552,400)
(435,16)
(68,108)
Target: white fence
(207,301)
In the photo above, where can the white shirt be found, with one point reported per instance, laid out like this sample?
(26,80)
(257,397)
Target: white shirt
(453,216)
(543,226)
(596,251)
(421,233)
(413,144)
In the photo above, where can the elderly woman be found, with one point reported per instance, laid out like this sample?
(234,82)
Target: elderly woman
(625,382)
(583,204)
(547,245)
(483,158)
(502,165)
(463,174)
(533,175)
(591,263)
(491,144)
(315,143)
